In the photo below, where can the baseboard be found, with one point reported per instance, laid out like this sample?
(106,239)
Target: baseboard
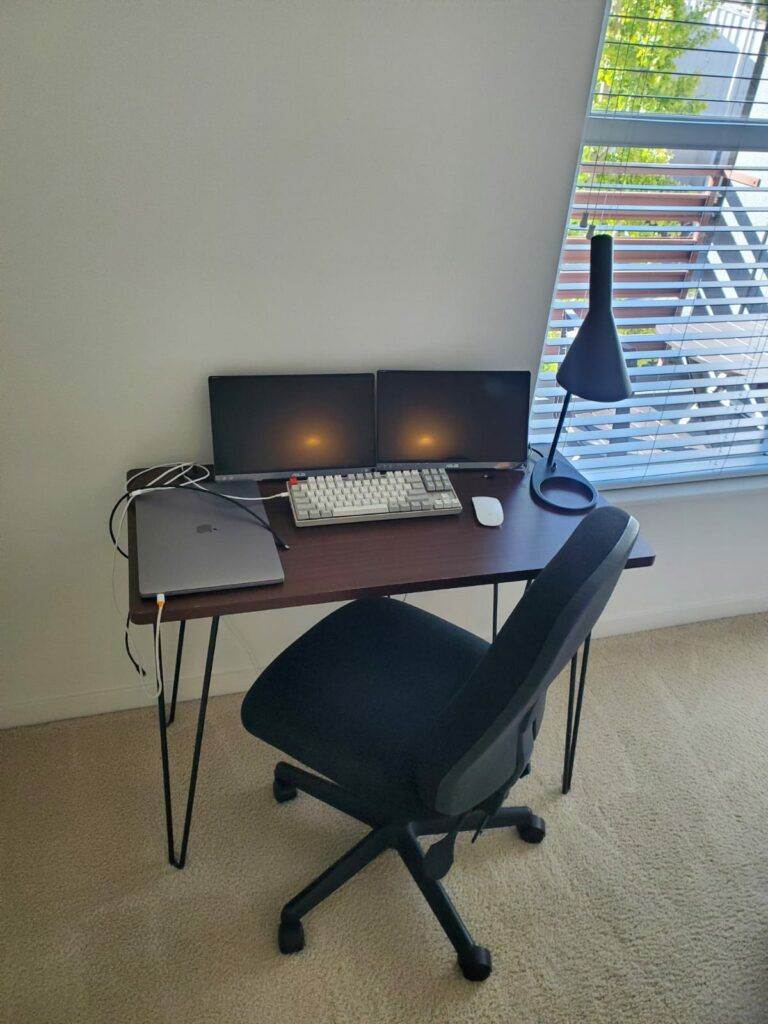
(679,615)
(98,702)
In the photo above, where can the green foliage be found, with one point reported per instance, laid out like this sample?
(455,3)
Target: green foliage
(636,75)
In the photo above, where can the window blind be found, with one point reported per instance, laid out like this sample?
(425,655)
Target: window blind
(690,229)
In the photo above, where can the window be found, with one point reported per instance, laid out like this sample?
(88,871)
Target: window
(675,167)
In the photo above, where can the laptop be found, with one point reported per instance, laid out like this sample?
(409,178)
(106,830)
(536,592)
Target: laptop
(189,541)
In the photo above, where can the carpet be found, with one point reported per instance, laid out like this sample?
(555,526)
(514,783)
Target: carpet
(647,901)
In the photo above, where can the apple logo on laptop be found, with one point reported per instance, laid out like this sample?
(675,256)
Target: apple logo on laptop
(206,528)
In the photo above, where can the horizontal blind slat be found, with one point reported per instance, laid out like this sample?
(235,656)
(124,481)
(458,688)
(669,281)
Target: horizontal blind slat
(690,229)
(659,401)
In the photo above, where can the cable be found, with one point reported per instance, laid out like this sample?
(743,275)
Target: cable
(243,497)
(172,476)
(158,672)
(112,536)
(529,461)
(183,468)
(251,656)
(236,501)
(169,467)
(183,474)
(117,548)
(134,661)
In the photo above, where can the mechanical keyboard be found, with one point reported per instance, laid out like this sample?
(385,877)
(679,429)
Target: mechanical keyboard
(364,497)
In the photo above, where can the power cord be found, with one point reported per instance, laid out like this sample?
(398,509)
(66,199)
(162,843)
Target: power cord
(158,671)
(182,471)
(172,476)
(529,462)
(136,664)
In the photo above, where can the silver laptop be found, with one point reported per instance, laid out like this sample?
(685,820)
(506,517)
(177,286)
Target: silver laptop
(189,541)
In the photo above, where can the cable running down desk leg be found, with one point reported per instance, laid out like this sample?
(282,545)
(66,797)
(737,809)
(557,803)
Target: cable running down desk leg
(180,860)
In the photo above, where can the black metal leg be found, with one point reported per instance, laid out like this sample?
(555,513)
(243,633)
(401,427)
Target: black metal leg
(177,670)
(336,875)
(179,861)
(494,628)
(569,722)
(435,895)
(572,728)
(164,759)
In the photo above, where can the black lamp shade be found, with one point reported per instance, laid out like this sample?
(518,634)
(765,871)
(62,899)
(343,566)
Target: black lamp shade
(594,366)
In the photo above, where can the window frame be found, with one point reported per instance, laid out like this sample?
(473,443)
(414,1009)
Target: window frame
(666,131)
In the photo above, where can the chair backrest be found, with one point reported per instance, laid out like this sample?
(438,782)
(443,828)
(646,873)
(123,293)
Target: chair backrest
(482,739)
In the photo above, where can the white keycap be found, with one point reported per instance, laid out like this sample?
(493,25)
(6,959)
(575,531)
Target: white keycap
(353,511)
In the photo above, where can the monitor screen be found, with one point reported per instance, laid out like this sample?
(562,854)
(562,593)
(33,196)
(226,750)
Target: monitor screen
(274,425)
(470,418)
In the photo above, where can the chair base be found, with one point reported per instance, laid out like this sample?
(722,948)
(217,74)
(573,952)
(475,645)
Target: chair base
(389,832)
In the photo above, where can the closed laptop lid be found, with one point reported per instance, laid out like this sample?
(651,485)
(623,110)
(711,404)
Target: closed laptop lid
(190,541)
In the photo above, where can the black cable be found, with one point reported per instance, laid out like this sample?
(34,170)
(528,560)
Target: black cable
(112,536)
(128,651)
(224,497)
(181,487)
(227,497)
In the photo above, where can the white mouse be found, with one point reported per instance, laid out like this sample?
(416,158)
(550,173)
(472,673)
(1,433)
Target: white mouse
(488,511)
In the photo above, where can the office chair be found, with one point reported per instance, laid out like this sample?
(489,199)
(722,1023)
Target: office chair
(421,728)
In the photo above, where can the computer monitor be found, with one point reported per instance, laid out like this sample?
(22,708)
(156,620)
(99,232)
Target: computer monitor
(463,419)
(271,426)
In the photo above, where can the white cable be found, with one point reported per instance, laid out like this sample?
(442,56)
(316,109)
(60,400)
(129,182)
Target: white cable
(241,497)
(182,470)
(179,471)
(168,467)
(251,656)
(118,531)
(158,674)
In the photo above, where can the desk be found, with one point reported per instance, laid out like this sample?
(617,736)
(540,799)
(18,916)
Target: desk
(407,556)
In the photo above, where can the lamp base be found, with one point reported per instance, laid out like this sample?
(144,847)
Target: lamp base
(562,487)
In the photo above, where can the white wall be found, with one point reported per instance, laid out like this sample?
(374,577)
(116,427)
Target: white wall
(210,187)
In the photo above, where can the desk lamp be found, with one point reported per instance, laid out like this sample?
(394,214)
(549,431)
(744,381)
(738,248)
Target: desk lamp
(593,369)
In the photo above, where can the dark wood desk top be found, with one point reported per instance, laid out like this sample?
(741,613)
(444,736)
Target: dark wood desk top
(339,563)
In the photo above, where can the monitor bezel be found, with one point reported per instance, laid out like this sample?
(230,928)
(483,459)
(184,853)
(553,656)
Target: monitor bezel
(384,464)
(284,474)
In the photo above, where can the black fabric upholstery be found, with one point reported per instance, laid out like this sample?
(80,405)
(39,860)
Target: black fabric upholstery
(538,639)
(355,697)
(400,706)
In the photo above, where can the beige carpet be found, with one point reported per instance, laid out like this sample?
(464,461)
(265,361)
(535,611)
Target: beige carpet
(647,902)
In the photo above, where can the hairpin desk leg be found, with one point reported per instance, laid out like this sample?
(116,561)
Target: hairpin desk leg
(177,670)
(495,623)
(572,725)
(179,861)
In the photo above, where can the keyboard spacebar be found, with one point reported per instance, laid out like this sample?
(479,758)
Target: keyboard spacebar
(360,510)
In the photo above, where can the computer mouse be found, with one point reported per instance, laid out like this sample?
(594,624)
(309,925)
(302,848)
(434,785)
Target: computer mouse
(488,511)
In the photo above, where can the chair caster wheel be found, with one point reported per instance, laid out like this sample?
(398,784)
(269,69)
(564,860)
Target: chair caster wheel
(475,963)
(290,937)
(534,831)
(283,791)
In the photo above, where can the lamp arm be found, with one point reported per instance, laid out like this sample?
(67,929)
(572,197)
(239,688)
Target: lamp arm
(556,438)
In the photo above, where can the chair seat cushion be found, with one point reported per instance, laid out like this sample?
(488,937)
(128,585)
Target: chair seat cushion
(354,697)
